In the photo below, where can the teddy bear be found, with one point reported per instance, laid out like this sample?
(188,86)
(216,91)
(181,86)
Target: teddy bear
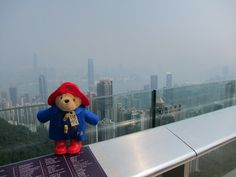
(68,117)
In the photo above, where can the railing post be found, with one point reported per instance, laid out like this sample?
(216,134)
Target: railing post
(153,108)
(186,169)
(180,171)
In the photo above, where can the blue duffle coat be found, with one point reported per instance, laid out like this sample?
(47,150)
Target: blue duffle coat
(56,126)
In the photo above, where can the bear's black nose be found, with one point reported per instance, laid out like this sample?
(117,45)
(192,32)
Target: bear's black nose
(66,101)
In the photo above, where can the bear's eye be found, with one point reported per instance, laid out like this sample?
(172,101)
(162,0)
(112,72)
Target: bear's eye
(61,97)
(74,100)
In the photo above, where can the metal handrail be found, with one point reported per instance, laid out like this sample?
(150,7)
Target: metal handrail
(155,151)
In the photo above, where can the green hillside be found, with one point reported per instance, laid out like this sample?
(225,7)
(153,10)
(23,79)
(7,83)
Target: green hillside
(19,143)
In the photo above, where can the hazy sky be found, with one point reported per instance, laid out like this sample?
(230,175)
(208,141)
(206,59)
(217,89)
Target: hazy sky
(192,39)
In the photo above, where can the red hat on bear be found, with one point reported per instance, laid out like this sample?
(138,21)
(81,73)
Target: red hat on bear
(68,87)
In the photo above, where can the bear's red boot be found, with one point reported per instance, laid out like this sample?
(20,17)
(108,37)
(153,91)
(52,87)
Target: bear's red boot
(75,146)
(60,147)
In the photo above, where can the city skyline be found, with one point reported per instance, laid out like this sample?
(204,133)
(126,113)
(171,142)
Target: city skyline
(103,87)
(41,91)
(128,40)
(117,52)
(172,105)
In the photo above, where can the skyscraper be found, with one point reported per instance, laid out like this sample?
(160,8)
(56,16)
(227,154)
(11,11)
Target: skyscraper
(154,82)
(35,66)
(43,91)
(13,96)
(168,80)
(4,95)
(104,88)
(4,100)
(104,105)
(91,86)
(104,100)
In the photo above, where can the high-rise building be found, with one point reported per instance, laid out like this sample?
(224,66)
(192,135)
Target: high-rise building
(91,85)
(13,96)
(104,88)
(4,100)
(24,99)
(35,66)
(104,98)
(154,82)
(43,91)
(168,80)
(4,95)
(103,108)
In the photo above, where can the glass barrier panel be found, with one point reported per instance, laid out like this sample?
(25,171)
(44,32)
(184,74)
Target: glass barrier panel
(189,101)
(119,115)
(218,163)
